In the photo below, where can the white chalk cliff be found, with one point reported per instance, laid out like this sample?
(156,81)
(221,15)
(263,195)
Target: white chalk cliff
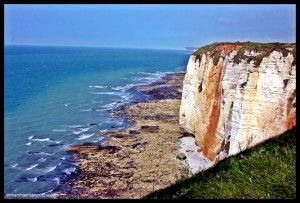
(231,105)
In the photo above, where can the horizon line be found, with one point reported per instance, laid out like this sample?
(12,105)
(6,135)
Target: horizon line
(86,46)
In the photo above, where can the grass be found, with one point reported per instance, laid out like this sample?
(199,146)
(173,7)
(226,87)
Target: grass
(265,171)
(264,48)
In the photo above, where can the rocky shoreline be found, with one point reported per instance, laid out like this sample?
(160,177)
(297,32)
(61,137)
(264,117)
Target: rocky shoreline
(139,160)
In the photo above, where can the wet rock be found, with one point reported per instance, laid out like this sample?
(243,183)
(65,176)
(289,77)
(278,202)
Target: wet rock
(161,116)
(181,156)
(54,145)
(149,128)
(118,136)
(111,149)
(91,144)
(149,180)
(134,132)
(139,144)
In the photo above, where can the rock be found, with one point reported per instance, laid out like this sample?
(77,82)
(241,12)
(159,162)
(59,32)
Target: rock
(231,106)
(55,145)
(149,180)
(139,145)
(133,132)
(149,128)
(118,136)
(181,156)
(136,144)
(160,116)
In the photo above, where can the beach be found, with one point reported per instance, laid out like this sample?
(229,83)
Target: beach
(139,160)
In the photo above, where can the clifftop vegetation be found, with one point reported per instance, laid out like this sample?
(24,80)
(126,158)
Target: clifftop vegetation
(264,50)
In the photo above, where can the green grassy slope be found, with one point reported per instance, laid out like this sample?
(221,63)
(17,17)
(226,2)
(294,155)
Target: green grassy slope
(265,171)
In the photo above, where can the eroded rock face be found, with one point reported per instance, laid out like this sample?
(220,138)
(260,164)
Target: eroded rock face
(230,107)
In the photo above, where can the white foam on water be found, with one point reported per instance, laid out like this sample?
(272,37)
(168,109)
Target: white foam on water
(75,126)
(43,193)
(97,86)
(110,105)
(107,93)
(69,170)
(100,110)
(41,153)
(56,180)
(31,167)
(30,137)
(14,165)
(125,87)
(81,130)
(84,110)
(41,139)
(75,164)
(45,153)
(66,146)
(59,130)
(29,143)
(42,159)
(32,179)
(85,136)
(48,169)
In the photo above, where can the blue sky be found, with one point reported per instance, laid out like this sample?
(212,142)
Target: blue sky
(147,26)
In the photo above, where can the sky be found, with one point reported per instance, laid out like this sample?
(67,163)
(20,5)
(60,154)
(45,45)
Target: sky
(147,26)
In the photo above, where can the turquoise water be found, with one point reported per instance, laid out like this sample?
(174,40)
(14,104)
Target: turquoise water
(59,96)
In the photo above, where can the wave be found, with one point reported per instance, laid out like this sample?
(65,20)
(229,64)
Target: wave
(75,164)
(86,110)
(69,170)
(29,143)
(100,110)
(42,159)
(47,192)
(81,130)
(97,86)
(110,105)
(107,93)
(47,169)
(31,167)
(56,180)
(30,137)
(85,136)
(59,130)
(125,87)
(75,126)
(40,153)
(32,179)
(14,165)
(41,139)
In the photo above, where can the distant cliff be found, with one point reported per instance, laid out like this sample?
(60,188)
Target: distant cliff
(237,95)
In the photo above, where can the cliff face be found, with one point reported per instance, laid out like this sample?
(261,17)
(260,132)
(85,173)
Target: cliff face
(237,95)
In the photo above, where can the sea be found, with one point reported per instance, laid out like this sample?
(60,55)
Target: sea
(55,97)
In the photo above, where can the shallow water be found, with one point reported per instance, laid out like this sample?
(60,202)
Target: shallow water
(59,96)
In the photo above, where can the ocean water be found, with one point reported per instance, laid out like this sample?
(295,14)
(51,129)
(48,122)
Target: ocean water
(58,96)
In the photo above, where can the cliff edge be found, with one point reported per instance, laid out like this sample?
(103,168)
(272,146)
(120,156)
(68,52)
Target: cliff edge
(237,95)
